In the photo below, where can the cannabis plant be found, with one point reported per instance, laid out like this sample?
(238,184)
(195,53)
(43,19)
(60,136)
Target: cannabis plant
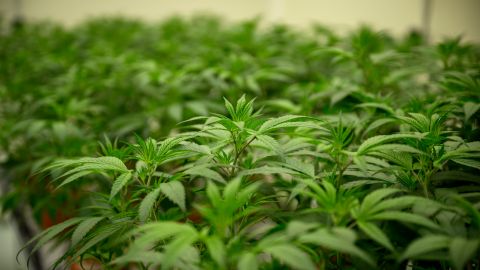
(243,191)
(196,144)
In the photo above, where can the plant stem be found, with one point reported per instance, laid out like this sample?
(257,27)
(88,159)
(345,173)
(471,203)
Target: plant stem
(237,155)
(340,173)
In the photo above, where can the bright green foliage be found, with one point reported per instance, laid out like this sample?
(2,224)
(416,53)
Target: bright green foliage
(265,148)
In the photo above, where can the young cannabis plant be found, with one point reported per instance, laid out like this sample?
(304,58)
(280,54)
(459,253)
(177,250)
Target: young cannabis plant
(215,196)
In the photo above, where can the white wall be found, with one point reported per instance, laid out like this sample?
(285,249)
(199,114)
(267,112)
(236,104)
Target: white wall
(454,17)
(449,17)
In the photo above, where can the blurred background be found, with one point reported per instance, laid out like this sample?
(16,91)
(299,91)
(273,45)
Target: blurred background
(440,18)
(437,18)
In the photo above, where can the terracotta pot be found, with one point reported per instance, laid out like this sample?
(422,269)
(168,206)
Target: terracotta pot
(47,220)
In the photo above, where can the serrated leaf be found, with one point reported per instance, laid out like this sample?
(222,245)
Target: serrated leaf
(425,245)
(101,234)
(270,143)
(91,167)
(376,141)
(467,162)
(175,249)
(291,256)
(300,166)
(157,231)
(337,241)
(213,194)
(417,120)
(216,249)
(110,162)
(461,250)
(205,171)
(147,204)
(406,217)
(73,177)
(338,96)
(248,261)
(193,147)
(378,123)
(400,202)
(83,228)
(375,197)
(49,234)
(146,257)
(381,106)
(376,234)
(268,170)
(175,192)
(400,148)
(118,184)
(231,190)
(472,211)
(470,109)
(274,123)
(296,228)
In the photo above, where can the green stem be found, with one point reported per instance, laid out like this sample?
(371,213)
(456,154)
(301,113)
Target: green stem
(340,173)
(425,189)
(237,155)
(150,175)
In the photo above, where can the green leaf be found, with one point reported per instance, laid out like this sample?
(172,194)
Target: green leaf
(400,148)
(230,108)
(270,143)
(145,257)
(113,161)
(231,190)
(300,166)
(283,105)
(472,211)
(377,141)
(216,249)
(86,166)
(157,231)
(381,106)
(467,162)
(470,109)
(83,228)
(418,121)
(296,228)
(100,235)
(338,96)
(462,250)
(275,123)
(175,249)
(147,204)
(406,217)
(378,123)
(291,256)
(376,234)
(402,202)
(174,191)
(203,170)
(118,184)
(73,177)
(214,194)
(376,197)
(50,233)
(268,170)
(425,245)
(197,148)
(339,239)
(248,261)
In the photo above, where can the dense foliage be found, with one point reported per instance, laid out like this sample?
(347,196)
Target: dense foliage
(242,147)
